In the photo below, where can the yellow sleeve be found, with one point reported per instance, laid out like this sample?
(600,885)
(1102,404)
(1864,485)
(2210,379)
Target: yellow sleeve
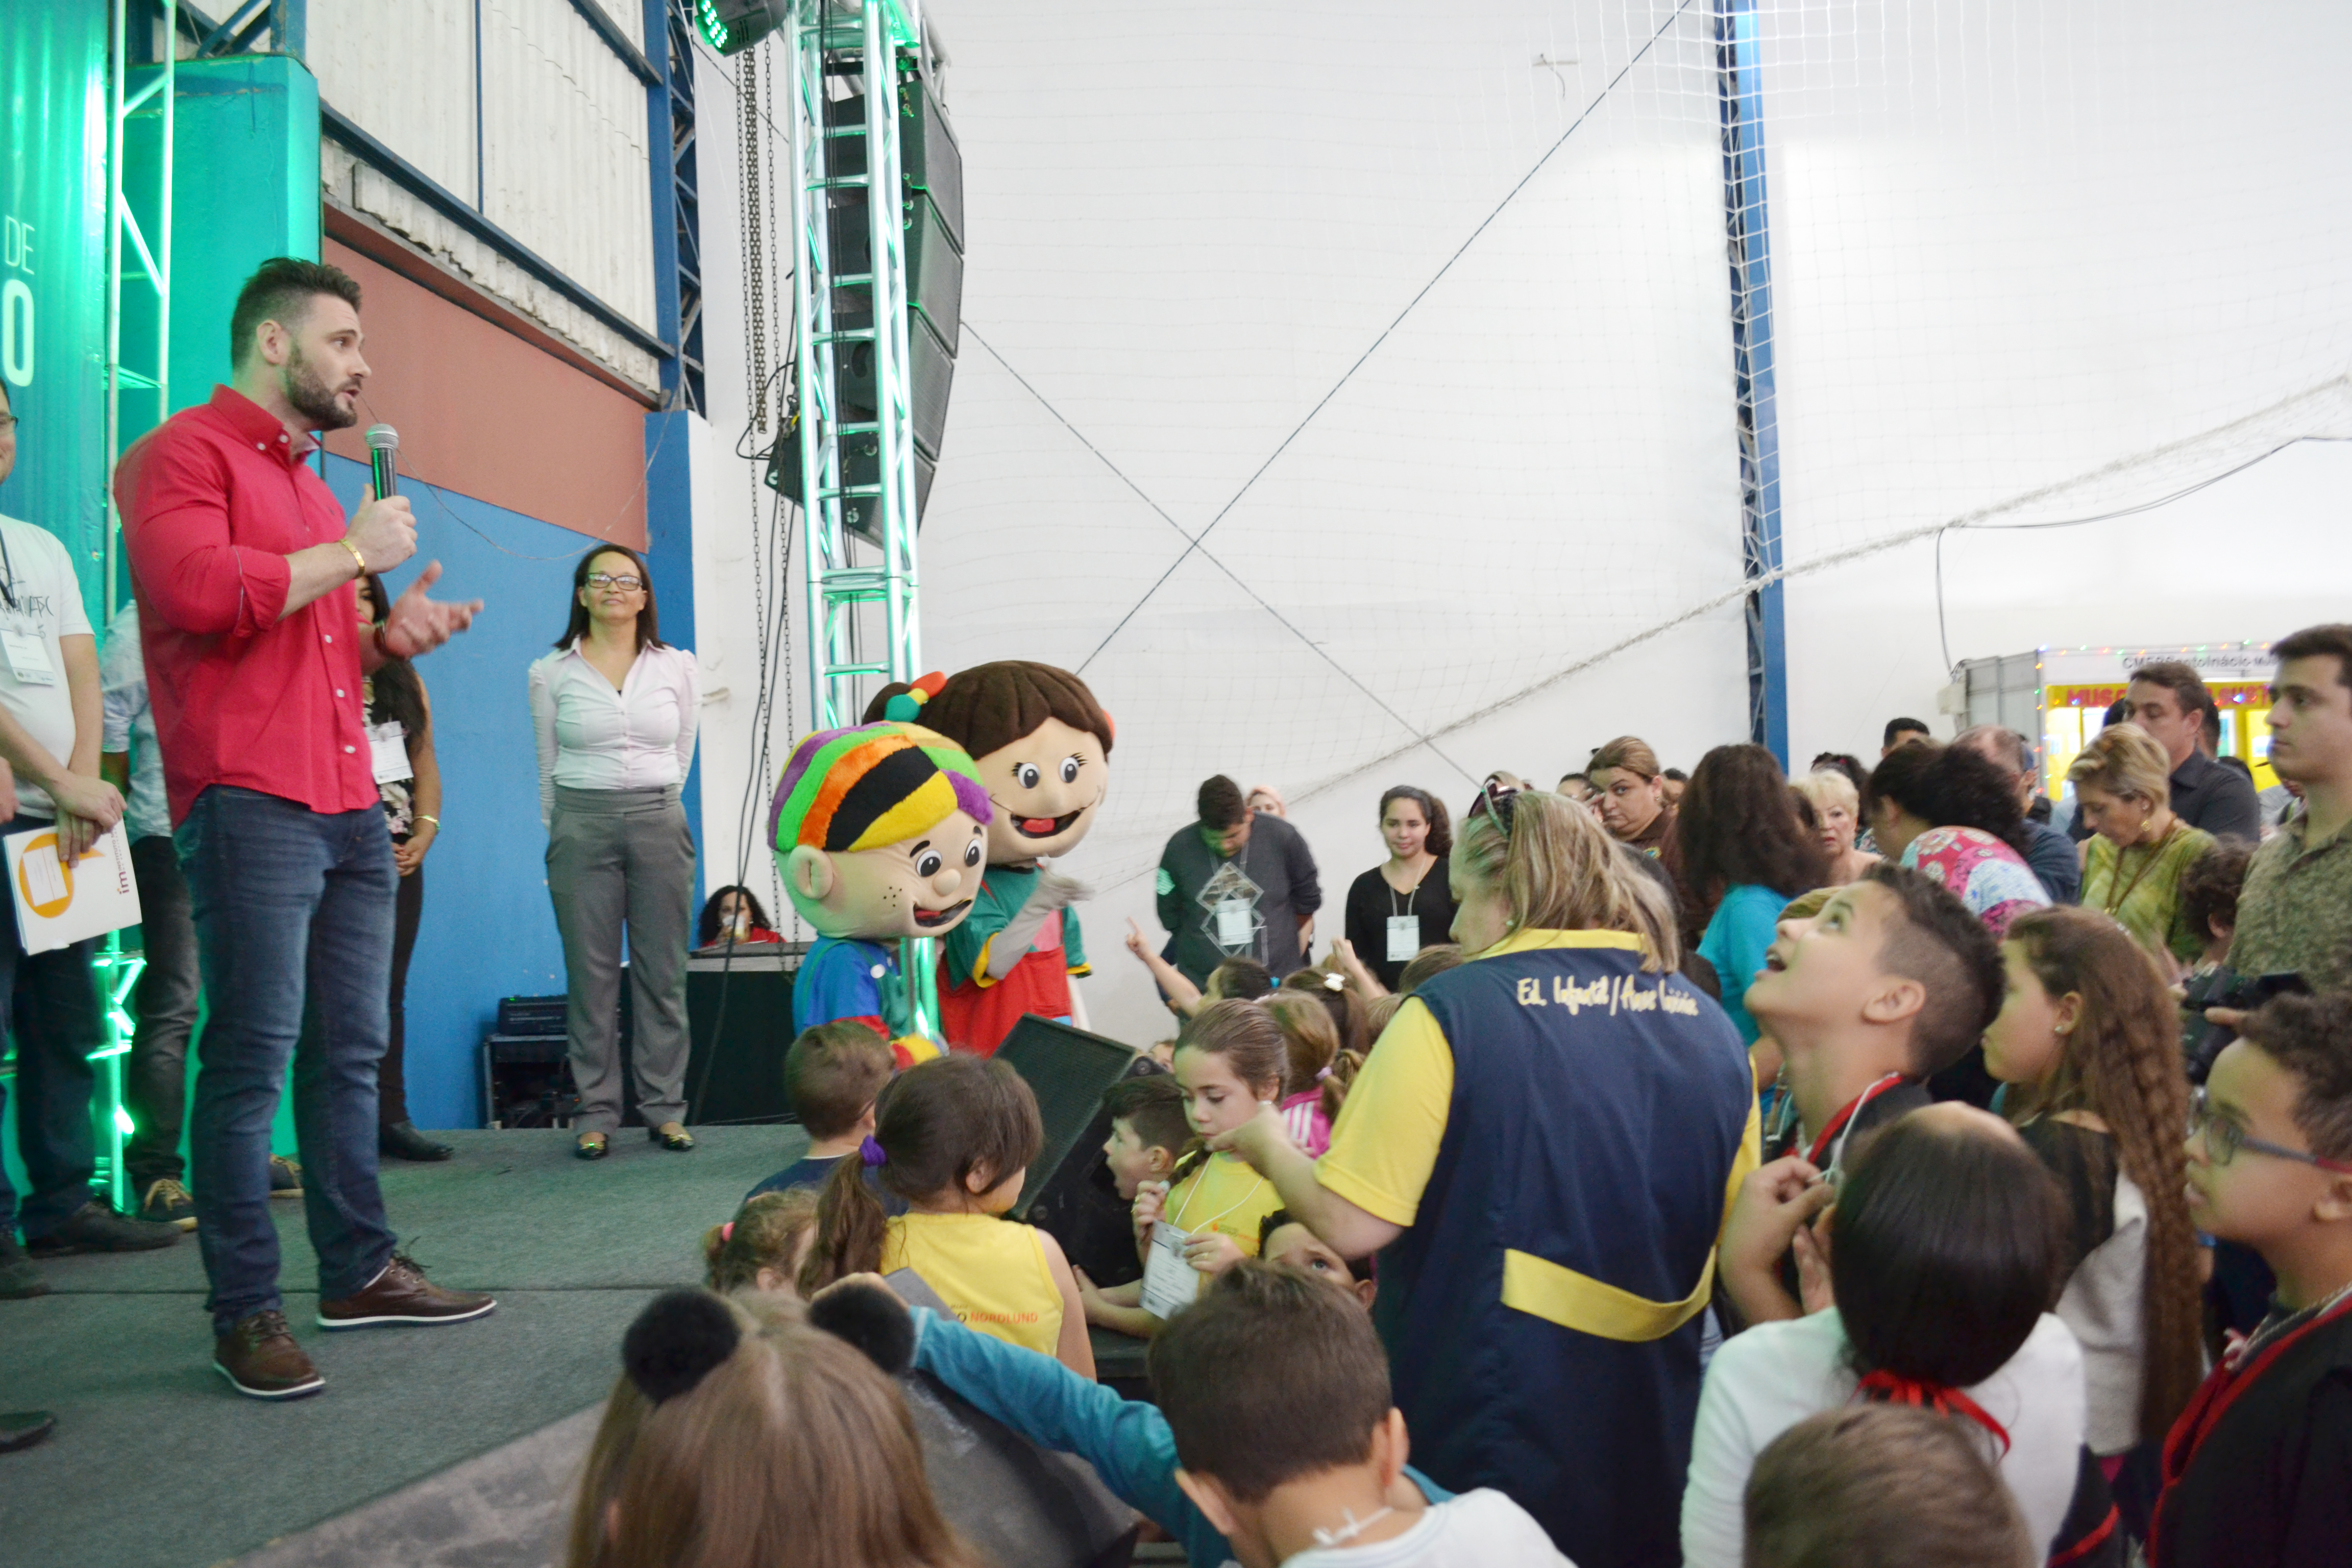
(1384,1145)
(1744,1163)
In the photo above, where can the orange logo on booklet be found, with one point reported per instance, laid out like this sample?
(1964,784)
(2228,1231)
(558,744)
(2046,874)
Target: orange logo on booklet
(49,902)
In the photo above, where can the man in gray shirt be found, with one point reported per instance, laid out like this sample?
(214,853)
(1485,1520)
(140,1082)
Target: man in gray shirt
(1236,884)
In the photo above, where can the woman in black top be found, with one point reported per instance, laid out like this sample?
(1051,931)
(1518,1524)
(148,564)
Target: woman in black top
(1405,904)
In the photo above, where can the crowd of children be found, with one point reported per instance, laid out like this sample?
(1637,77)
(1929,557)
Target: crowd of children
(1933,1334)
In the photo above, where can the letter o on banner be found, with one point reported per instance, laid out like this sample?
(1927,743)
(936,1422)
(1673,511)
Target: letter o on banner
(16,332)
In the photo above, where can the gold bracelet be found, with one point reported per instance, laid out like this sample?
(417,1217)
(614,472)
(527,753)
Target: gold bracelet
(355,554)
(434,820)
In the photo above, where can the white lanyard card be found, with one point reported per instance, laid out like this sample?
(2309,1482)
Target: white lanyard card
(1170,1281)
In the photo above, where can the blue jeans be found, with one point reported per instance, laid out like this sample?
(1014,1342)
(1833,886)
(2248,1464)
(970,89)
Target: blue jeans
(293,912)
(51,1000)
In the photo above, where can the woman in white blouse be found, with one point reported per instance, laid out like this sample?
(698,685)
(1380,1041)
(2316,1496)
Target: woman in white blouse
(615,708)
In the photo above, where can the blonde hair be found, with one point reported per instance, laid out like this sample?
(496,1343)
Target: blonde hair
(794,1452)
(1825,788)
(1560,871)
(1628,751)
(2123,760)
(1309,1042)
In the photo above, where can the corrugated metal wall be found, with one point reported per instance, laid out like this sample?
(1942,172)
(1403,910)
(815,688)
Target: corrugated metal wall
(559,159)
(404,73)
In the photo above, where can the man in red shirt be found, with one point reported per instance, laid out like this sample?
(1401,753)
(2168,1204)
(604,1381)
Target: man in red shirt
(243,565)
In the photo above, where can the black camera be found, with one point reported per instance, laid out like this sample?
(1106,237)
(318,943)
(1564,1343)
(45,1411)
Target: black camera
(2202,1041)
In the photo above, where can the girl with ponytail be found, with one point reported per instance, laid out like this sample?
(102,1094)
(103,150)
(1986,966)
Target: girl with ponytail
(2089,1042)
(1946,1247)
(954,1137)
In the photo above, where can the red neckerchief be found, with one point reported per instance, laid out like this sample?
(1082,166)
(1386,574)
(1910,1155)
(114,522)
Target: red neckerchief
(1837,1122)
(1898,1389)
(2211,1403)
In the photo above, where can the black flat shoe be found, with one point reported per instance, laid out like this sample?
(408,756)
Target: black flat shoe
(402,1141)
(595,1151)
(676,1143)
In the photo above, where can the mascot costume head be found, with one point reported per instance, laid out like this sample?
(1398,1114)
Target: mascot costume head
(880,833)
(1039,740)
(1040,745)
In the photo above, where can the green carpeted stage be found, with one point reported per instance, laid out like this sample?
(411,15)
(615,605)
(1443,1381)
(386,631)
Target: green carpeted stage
(156,1464)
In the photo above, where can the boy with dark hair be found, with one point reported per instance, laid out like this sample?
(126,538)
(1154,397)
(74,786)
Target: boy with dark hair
(1891,983)
(1276,1389)
(1881,1485)
(2209,896)
(1148,1134)
(2258,1470)
(833,1074)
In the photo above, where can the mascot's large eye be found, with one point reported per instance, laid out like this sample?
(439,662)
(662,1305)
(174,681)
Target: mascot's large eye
(1027,775)
(972,853)
(929,863)
(1069,770)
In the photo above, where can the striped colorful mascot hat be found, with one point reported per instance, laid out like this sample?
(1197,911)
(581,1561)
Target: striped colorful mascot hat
(860,788)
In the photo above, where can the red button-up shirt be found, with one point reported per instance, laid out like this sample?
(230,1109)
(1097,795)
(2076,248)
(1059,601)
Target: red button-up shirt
(214,500)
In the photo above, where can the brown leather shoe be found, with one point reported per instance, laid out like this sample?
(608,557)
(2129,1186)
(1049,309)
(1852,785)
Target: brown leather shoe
(260,1359)
(402,1294)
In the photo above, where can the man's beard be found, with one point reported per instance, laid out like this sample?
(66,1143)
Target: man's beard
(308,392)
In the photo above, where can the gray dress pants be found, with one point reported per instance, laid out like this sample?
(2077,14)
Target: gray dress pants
(616,859)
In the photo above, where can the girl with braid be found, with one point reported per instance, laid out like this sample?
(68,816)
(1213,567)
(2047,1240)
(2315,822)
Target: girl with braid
(2089,1043)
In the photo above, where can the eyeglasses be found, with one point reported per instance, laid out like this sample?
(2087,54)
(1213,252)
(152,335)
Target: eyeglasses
(2224,1138)
(8,423)
(606,580)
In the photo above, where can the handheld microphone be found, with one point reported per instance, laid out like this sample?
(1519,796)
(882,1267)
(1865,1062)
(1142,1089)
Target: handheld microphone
(383,442)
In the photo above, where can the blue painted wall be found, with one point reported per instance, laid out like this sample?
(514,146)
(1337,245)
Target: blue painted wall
(489,930)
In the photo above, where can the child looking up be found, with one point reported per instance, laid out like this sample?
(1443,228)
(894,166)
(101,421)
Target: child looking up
(1276,1390)
(762,1247)
(2258,1472)
(1893,981)
(1230,1058)
(1281,1239)
(1881,1485)
(832,1074)
(1947,1240)
(954,1138)
(1149,1133)
(2089,1041)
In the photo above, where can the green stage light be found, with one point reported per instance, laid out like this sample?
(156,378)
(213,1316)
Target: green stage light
(730,27)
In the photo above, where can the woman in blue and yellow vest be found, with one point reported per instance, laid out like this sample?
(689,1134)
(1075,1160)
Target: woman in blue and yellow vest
(1542,1146)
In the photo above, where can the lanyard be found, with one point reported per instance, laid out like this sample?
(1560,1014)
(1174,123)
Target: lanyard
(2154,850)
(1840,1126)
(1195,1192)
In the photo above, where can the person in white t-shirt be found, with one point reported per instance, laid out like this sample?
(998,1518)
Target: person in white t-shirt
(49,725)
(1276,1390)
(1944,1254)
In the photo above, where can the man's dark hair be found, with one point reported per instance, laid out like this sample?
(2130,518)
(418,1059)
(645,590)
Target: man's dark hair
(2311,1037)
(832,1072)
(1951,786)
(1677,775)
(281,290)
(1220,804)
(1882,1485)
(2183,682)
(1898,726)
(2318,642)
(2004,746)
(2209,888)
(1270,1376)
(1947,1246)
(1940,943)
(1153,1105)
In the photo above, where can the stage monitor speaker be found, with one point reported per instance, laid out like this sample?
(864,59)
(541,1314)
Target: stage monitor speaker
(1069,1192)
(735,1073)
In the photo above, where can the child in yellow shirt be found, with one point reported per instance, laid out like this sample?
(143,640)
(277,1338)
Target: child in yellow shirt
(954,1137)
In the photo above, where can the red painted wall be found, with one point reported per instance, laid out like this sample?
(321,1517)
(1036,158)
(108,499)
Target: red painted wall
(481,412)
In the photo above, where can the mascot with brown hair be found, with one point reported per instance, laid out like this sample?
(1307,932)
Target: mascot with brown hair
(1041,745)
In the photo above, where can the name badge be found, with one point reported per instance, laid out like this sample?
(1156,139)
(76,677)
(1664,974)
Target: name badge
(1234,927)
(29,658)
(388,749)
(1170,1281)
(1404,937)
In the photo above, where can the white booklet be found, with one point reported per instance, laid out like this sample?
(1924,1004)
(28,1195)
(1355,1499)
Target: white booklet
(59,905)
